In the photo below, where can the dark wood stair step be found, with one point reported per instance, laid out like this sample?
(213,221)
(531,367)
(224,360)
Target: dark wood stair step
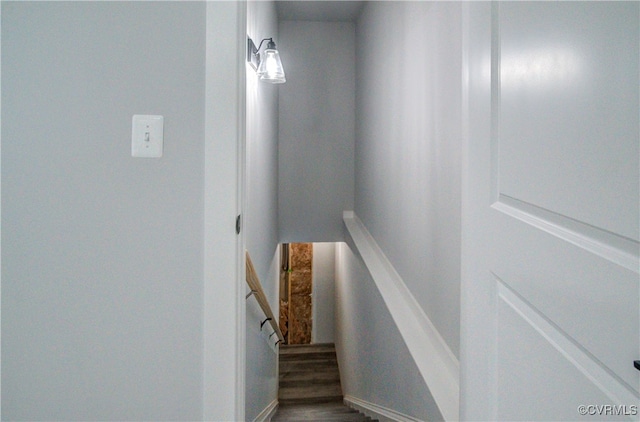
(308,356)
(311,391)
(309,377)
(306,348)
(308,367)
(311,400)
(335,411)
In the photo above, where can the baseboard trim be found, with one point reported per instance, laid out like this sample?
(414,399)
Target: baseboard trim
(267,413)
(438,366)
(374,411)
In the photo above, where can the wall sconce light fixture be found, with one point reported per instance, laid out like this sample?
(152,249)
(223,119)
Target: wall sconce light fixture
(268,64)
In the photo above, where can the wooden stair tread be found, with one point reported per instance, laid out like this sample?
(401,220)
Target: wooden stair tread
(311,390)
(308,367)
(309,378)
(292,348)
(318,412)
(310,386)
(308,356)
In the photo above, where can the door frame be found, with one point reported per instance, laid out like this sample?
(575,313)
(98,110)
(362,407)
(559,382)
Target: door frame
(224,305)
(477,299)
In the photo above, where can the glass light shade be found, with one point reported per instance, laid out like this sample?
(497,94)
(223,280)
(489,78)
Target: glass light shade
(270,69)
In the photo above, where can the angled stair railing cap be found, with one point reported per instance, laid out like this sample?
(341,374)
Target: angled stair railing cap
(437,365)
(256,289)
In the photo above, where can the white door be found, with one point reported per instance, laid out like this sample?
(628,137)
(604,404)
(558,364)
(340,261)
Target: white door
(551,292)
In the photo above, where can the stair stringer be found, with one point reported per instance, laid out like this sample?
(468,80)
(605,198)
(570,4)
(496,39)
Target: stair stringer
(380,413)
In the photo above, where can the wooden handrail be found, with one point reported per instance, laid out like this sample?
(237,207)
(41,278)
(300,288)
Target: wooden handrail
(254,284)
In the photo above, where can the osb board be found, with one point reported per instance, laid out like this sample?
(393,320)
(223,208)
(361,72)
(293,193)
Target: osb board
(301,283)
(301,256)
(300,323)
(301,288)
(284,318)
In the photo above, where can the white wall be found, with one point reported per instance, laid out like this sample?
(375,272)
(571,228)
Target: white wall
(261,354)
(260,216)
(104,264)
(261,208)
(324,263)
(317,118)
(375,365)
(407,165)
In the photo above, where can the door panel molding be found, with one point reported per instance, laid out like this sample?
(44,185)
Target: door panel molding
(591,298)
(614,387)
(607,245)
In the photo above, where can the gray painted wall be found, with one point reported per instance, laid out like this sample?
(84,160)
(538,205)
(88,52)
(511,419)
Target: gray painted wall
(102,276)
(260,215)
(316,129)
(261,208)
(261,353)
(375,365)
(407,153)
(324,266)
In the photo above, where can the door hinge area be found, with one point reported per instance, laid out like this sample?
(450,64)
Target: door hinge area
(238,223)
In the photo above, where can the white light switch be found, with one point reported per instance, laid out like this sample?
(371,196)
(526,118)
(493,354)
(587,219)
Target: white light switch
(147,134)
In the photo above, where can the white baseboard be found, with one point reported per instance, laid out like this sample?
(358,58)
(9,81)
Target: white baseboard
(437,364)
(267,413)
(374,411)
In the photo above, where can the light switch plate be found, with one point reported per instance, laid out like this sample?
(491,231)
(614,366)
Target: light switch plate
(147,133)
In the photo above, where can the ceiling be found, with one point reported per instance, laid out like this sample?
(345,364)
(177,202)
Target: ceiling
(323,11)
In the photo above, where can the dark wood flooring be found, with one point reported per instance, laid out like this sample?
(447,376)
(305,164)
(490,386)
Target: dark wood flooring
(335,411)
(310,386)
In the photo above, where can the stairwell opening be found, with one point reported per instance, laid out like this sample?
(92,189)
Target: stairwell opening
(309,377)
